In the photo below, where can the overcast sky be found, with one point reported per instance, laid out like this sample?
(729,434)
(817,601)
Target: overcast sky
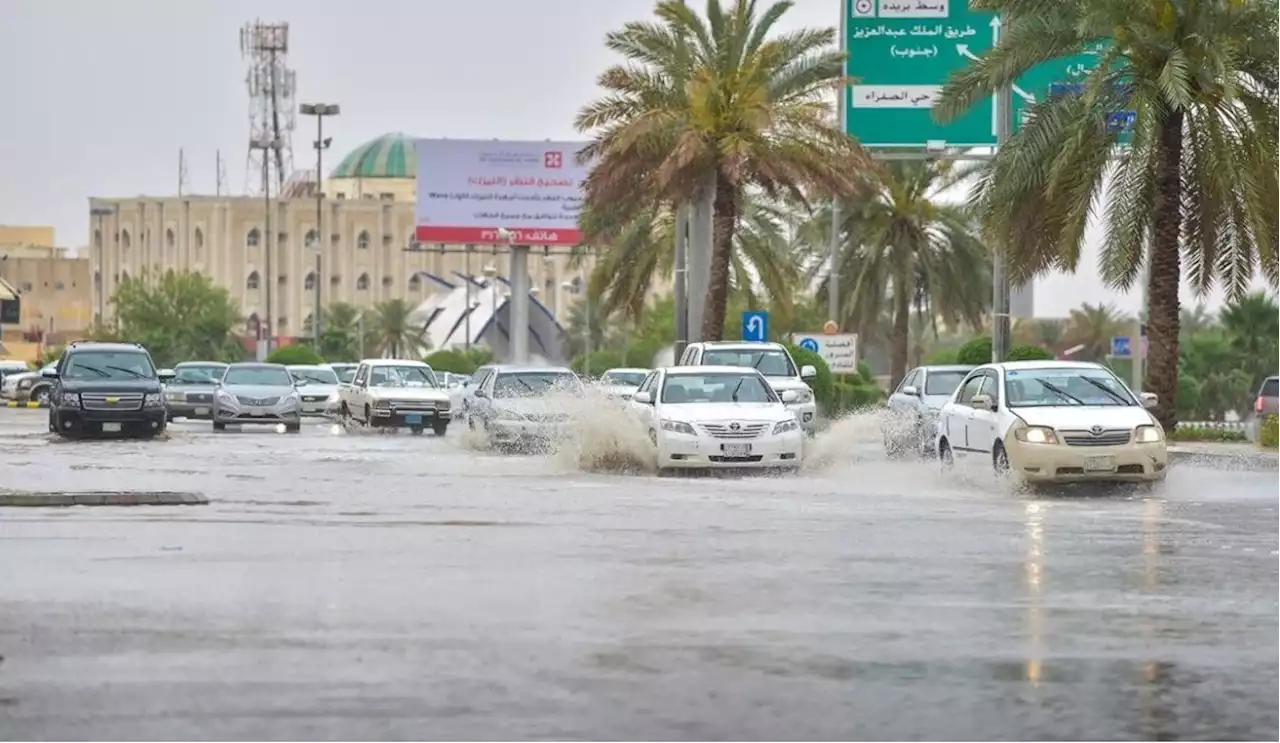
(99,97)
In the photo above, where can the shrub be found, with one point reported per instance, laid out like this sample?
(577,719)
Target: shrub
(458,362)
(976,351)
(1269,433)
(600,362)
(823,385)
(294,354)
(1029,353)
(1206,433)
(942,357)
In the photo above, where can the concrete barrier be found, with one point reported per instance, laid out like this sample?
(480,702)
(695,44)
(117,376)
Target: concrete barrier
(29,404)
(18,499)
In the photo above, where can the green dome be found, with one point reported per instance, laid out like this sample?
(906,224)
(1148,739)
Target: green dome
(388,156)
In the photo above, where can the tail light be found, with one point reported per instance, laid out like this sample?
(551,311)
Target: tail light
(1257,405)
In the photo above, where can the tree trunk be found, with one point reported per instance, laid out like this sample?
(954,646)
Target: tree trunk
(901,333)
(723,223)
(1165,272)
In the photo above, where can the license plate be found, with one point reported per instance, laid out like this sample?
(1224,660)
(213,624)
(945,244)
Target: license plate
(202,411)
(1099,464)
(736,450)
(413,420)
(111,428)
(257,413)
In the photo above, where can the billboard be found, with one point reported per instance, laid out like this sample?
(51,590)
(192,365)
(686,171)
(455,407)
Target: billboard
(469,188)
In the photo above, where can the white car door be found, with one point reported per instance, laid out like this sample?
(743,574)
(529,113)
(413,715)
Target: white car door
(646,412)
(959,412)
(982,421)
(358,393)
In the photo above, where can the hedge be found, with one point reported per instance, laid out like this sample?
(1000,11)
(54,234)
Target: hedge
(1269,433)
(295,354)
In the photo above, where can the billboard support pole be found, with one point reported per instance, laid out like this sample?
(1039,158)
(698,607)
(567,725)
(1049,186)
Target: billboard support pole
(520,304)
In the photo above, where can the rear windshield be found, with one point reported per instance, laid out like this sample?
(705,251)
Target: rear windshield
(1270,388)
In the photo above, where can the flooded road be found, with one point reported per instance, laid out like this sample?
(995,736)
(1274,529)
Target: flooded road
(387,586)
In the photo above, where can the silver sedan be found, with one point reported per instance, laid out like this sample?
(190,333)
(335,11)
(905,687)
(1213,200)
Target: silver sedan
(257,394)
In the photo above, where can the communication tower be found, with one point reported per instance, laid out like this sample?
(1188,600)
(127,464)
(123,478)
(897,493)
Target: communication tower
(272,116)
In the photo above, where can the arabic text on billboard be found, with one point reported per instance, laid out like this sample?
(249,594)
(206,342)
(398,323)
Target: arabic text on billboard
(468,189)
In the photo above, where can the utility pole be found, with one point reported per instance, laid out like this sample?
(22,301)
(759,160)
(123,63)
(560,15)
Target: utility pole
(319,110)
(1000,330)
(681,280)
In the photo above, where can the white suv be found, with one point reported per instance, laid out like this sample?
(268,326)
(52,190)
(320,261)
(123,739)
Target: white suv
(771,360)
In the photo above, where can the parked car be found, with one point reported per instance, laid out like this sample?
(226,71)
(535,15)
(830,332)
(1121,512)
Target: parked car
(910,420)
(621,384)
(28,386)
(255,393)
(395,393)
(190,393)
(514,406)
(106,388)
(12,366)
(707,417)
(1053,422)
(1267,403)
(320,393)
(770,359)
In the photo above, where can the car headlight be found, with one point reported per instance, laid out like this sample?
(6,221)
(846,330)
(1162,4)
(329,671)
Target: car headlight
(25,383)
(153,400)
(678,427)
(333,397)
(1148,434)
(784,426)
(69,400)
(175,396)
(226,397)
(803,396)
(291,401)
(1036,435)
(508,415)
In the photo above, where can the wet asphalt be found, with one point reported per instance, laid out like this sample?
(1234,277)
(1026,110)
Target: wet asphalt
(347,586)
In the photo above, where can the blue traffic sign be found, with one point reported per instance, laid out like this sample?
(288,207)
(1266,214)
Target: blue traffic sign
(809,344)
(1120,346)
(755,325)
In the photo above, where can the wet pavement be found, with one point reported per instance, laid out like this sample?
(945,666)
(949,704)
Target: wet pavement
(388,586)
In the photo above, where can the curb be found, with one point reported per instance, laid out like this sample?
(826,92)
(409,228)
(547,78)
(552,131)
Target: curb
(1254,462)
(29,404)
(59,500)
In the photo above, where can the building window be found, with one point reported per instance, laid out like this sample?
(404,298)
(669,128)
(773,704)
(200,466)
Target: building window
(252,325)
(284,279)
(252,282)
(415,283)
(310,282)
(362,242)
(168,239)
(59,286)
(387,281)
(199,239)
(362,283)
(97,278)
(311,239)
(386,196)
(386,239)
(341,195)
(335,280)
(97,238)
(251,240)
(125,241)
(307,325)
(282,323)
(282,239)
(25,287)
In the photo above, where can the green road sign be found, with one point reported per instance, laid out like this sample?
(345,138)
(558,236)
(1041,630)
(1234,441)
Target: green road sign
(902,51)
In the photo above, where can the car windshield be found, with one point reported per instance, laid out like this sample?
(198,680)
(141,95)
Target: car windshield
(532,384)
(258,376)
(402,376)
(1064,386)
(770,362)
(314,374)
(113,365)
(202,374)
(624,379)
(718,387)
(345,373)
(943,382)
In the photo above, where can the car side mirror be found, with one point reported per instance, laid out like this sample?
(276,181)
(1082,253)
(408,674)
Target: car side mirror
(1149,399)
(911,391)
(982,402)
(808,371)
(644,398)
(480,393)
(49,374)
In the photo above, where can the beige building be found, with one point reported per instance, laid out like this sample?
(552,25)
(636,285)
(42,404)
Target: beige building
(367,226)
(53,283)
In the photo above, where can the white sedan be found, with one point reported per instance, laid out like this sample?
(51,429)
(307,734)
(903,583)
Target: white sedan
(706,417)
(1053,422)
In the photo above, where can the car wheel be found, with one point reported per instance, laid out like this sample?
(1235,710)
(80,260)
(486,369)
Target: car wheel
(219,426)
(293,427)
(944,454)
(999,459)
(40,396)
(440,429)
(653,437)
(416,430)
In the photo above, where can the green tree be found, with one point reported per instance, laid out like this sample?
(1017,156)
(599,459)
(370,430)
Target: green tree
(340,333)
(718,105)
(178,316)
(1252,326)
(1040,331)
(392,332)
(458,361)
(1093,326)
(1196,183)
(903,246)
(295,353)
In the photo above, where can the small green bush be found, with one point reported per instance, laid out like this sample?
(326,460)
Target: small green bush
(1206,433)
(1029,353)
(294,354)
(1269,433)
(823,385)
(976,351)
(942,357)
(601,361)
(458,362)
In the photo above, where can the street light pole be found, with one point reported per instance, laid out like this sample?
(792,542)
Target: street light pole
(319,110)
(466,270)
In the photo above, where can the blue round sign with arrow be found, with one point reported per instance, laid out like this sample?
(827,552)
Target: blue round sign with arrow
(808,344)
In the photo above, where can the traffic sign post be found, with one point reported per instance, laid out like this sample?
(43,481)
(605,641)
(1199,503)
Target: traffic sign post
(1120,347)
(755,326)
(839,351)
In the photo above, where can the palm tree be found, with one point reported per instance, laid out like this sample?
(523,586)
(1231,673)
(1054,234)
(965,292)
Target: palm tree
(902,244)
(1252,326)
(1194,320)
(640,251)
(1196,183)
(1093,326)
(724,104)
(391,332)
(1045,332)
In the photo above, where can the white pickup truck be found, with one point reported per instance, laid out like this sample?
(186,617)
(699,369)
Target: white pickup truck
(395,393)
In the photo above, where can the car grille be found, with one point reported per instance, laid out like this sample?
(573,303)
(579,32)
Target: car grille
(1107,437)
(547,417)
(257,401)
(727,430)
(199,397)
(315,398)
(414,406)
(99,401)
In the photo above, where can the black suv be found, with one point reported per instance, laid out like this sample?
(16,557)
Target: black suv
(106,388)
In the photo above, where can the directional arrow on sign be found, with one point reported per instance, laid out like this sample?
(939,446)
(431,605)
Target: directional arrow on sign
(963,50)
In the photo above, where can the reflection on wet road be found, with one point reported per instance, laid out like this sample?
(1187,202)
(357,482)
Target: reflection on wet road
(387,586)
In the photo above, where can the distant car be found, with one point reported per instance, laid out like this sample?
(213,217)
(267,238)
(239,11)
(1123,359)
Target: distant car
(910,420)
(1267,403)
(1053,422)
(257,394)
(28,386)
(12,366)
(621,383)
(513,406)
(395,393)
(106,388)
(346,371)
(190,393)
(464,399)
(707,417)
(320,392)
